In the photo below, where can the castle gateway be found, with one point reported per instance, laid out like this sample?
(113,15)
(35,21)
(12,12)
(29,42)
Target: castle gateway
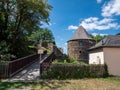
(79,44)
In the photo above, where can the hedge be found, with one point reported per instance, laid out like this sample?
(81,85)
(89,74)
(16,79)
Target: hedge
(72,71)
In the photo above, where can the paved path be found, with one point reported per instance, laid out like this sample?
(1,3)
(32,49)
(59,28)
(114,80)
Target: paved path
(30,73)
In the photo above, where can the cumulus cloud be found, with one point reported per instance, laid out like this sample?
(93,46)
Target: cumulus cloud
(99,1)
(103,24)
(72,27)
(111,8)
(93,23)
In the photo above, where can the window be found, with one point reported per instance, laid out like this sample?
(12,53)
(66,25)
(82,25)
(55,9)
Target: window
(81,44)
(80,52)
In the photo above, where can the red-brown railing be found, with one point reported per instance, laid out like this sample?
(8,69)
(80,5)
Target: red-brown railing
(19,64)
(3,70)
(46,62)
(12,67)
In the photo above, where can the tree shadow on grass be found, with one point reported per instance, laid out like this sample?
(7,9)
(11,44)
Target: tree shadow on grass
(8,85)
(51,84)
(54,84)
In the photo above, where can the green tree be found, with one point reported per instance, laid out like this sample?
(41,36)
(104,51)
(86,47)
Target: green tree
(18,18)
(98,38)
(41,35)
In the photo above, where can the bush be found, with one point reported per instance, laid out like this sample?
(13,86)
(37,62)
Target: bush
(66,60)
(73,71)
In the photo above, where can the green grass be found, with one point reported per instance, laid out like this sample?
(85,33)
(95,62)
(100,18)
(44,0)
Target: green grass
(111,83)
(113,79)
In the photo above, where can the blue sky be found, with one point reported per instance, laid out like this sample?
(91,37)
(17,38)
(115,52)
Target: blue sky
(96,16)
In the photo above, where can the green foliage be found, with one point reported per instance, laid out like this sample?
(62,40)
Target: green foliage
(41,35)
(18,19)
(5,55)
(72,71)
(106,69)
(98,38)
(114,79)
(66,60)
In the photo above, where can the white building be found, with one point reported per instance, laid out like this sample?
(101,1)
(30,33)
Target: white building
(107,52)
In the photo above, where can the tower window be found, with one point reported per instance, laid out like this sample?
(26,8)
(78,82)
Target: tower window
(81,44)
(80,51)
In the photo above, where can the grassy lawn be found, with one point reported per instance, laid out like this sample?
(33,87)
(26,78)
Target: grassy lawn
(81,84)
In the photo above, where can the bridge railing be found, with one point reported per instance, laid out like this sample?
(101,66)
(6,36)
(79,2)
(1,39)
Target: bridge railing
(12,67)
(3,70)
(46,62)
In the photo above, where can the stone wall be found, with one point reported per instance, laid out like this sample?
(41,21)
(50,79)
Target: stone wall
(55,49)
(78,49)
(49,45)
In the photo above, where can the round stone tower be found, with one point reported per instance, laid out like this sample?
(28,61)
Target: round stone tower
(79,44)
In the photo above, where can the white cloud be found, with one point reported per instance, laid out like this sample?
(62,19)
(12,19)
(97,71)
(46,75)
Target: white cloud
(93,23)
(72,27)
(103,24)
(65,44)
(49,24)
(99,1)
(111,8)
(101,34)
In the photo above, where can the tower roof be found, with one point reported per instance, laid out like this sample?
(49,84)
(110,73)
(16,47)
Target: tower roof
(80,33)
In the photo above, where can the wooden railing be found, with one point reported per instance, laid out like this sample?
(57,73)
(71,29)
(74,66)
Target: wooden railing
(3,70)
(12,67)
(46,62)
(19,64)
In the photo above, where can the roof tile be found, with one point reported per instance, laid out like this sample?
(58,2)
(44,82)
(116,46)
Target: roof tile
(81,34)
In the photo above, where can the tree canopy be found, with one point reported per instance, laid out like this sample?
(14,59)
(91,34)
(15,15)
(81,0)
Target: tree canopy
(18,19)
(41,35)
(98,37)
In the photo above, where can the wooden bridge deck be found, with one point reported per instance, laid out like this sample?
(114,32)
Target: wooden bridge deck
(31,73)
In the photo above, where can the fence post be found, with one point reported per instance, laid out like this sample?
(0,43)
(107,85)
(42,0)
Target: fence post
(40,65)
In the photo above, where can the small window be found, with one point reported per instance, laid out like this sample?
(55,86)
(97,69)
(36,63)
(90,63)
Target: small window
(81,44)
(80,51)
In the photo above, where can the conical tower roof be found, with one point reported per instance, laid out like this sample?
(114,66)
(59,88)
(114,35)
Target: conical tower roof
(81,33)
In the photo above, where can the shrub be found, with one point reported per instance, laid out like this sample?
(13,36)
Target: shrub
(74,71)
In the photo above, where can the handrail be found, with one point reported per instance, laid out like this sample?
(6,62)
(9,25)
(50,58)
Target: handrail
(12,67)
(19,64)
(45,63)
(21,58)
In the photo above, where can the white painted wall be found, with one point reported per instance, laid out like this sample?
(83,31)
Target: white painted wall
(96,58)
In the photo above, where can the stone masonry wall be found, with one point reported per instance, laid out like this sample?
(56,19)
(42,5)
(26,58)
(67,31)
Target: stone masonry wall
(79,51)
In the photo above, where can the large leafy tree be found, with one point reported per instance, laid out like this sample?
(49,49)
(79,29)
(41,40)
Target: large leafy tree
(41,35)
(18,18)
